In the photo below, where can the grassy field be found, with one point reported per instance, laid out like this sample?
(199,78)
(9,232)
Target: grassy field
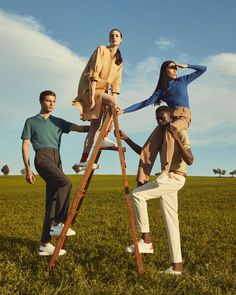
(96,262)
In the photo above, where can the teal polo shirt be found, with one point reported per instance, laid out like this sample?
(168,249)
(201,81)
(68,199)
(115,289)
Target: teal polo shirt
(45,133)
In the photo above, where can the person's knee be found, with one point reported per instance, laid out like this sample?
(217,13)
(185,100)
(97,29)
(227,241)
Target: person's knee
(109,100)
(168,138)
(180,124)
(95,124)
(69,184)
(133,192)
(135,195)
(114,100)
(66,183)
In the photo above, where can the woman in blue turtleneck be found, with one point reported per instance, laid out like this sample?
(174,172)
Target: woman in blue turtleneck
(173,91)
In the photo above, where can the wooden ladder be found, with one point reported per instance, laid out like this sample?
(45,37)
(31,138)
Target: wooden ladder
(84,184)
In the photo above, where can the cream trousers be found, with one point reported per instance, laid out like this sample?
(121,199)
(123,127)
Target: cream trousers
(169,205)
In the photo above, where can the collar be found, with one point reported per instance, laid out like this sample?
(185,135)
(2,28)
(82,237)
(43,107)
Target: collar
(42,117)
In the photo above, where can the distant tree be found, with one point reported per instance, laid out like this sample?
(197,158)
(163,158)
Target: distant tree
(223,172)
(232,173)
(5,170)
(219,171)
(23,171)
(216,171)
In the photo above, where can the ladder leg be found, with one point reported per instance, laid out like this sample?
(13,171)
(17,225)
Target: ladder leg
(80,193)
(85,190)
(127,194)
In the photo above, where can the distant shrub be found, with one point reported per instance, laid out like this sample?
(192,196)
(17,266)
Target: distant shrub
(219,171)
(232,173)
(5,170)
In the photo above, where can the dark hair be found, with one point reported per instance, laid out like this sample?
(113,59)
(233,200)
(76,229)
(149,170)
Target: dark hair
(163,109)
(46,93)
(118,53)
(162,82)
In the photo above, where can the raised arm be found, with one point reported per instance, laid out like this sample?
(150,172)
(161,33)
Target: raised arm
(26,159)
(199,70)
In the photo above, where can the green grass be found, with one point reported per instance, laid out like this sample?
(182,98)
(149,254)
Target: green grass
(96,262)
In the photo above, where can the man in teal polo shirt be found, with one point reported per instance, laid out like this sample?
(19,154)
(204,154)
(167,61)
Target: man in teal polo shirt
(44,131)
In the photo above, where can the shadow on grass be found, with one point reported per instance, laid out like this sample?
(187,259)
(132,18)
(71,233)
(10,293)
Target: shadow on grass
(11,244)
(21,252)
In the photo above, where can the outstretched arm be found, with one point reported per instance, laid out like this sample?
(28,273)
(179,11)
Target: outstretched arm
(135,147)
(185,153)
(78,128)
(25,155)
(154,98)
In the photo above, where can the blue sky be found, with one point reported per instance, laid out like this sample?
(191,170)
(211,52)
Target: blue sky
(45,45)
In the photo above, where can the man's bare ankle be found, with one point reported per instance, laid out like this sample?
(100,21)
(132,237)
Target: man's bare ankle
(146,238)
(177,266)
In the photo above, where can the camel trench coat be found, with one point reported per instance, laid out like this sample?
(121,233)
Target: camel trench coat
(102,68)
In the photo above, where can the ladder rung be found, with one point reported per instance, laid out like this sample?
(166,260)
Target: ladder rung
(115,148)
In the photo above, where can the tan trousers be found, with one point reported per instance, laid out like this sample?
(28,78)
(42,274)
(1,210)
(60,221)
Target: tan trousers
(181,120)
(169,205)
(149,154)
(106,100)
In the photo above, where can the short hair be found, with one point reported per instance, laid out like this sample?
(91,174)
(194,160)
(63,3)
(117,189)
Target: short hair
(46,93)
(163,109)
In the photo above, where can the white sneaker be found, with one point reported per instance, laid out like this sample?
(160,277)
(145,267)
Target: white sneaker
(57,229)
(170,271)
(48,250)
(163,178)
(106,142)
(83,165)
(143,247)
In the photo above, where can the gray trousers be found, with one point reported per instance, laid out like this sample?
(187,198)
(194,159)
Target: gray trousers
(48,165)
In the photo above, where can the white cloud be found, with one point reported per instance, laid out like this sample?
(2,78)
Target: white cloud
(164,43)
(220,137)
(213,95)
(32,61)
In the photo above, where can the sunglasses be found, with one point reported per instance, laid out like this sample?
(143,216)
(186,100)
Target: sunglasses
(172,68)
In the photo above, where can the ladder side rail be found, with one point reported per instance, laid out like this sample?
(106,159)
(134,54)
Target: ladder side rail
(85,190)
(80,191)
(128,198)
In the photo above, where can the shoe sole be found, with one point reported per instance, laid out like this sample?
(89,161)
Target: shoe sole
(49,254)
(151,251)
(171,273)
(58,234)
(84,168)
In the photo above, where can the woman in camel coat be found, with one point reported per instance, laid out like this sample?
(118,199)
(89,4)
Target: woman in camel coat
(102,74)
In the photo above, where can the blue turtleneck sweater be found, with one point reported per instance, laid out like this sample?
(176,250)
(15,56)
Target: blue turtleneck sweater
(177,92)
